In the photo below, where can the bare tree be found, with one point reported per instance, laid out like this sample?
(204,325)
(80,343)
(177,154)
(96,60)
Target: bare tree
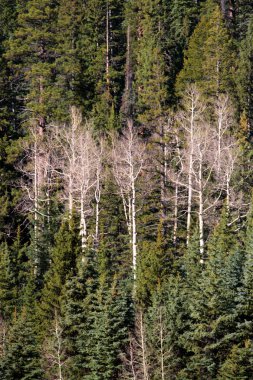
(35,181)
(223,113)
(78,162)
(54,351)
(135,361)
(129,160)
(207,160)
(189,120)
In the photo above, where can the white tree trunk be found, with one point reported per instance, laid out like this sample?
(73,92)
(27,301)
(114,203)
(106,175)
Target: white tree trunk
(134,231)
(175,226)
(190,174)
(36,204)
(201,210)
(161,344)
(83,226)
(143,349)
(107,68)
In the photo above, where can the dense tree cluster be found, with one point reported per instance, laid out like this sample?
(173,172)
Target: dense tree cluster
(126,221)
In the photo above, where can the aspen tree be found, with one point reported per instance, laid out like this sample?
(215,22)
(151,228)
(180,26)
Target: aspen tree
(129,161)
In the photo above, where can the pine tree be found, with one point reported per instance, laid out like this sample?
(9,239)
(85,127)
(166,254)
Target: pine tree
(239,360)
(6,283)
(209,60)
(166,320)
(150,70)
(213,303)
(31,55)
(152,269)
(63,265)
(22,356)
(245,76)
(9,131)
(102,47)
(68,59)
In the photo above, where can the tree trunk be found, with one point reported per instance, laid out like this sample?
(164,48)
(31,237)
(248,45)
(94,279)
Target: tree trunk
(83,227)
(161,344)
(190,174)
(134,231)
(107,68)
(201,208)
(143,349)
(175,226)
(97,199)
(36,204)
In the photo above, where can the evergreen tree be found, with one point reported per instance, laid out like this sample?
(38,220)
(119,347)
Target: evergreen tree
(209,60)
(167,320)
(150,71)
(22,356)
(152,269)
(68,59)
(102,47)
(241,352)
(31,55)
(6,283)
(245,76)
(212,304)
(9,133)
(63,265)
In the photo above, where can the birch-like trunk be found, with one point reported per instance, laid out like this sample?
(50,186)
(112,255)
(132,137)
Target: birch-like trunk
(97,199)
(83,226)
(190,175)
(164,178)
(134,231)
(143,349)
(161,344)
(201,210)
(107,68)
(36,204)
(228,194)
(175,224)
(58,335)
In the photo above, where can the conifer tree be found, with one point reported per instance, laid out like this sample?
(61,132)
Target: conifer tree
(31,55)
(213,302)
(22,357)
(63,265)
(209,60)
(102,46)
(150,71)
(243,333)
(166,321)
(68,78)
(245,76)
(6,283)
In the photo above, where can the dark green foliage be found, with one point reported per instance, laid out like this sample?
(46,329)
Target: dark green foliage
(21,359)
(64,256)
(213,302)
(102,47)
(80,310)
(98,313)
(245,75)
(68,59)
(209,60)
(31,54)
(167,319)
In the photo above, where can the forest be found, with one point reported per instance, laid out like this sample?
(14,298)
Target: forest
(126,218)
